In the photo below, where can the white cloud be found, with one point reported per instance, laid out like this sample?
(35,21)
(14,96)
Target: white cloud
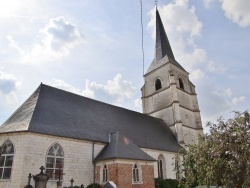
(14,45)
(196,74)
(115,91)
(59,37)
(216,68)
(237,100)
(237,11)
(65,86)
(207,3)
(118,88)
(138,103)
(8,85)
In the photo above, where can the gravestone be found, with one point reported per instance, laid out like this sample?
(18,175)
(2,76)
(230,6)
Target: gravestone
(29,178)
(41,179)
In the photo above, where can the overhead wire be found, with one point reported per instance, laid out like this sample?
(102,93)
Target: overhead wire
(142,41)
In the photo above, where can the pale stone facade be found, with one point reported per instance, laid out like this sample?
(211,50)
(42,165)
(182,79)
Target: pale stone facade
(176,105)
(30,151)
(30,154)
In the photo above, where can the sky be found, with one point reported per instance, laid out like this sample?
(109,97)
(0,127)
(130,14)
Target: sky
(93,48)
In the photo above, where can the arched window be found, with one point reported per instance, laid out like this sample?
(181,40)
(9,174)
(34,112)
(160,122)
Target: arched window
(161,167)
(105,173)
(6,160)
(55,162)
(181,83)
(157,84)
(160,171)
(136,175)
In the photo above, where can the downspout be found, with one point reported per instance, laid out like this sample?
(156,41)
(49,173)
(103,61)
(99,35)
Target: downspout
(93,155)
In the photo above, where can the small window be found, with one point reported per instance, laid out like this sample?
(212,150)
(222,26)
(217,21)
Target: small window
(105,173)
(161,167)
(6,160)
(136,176)
(55,162)
(181,83)
(157,84)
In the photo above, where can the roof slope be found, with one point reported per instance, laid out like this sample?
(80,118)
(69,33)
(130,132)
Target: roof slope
(56,112)
(121,147)
(163,50)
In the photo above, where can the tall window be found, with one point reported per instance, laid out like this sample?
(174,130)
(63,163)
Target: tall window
(181,83)
(105,173)
(54,162)
(136,175)
(161,167)
(160,171)
(6,160)
(157,84)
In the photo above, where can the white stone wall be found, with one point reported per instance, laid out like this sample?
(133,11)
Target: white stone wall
(30,155)
(169,159)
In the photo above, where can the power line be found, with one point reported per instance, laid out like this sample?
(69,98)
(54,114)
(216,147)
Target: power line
(142,41)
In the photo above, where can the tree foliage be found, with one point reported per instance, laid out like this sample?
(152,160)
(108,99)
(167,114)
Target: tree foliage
(221,158)
(167,183)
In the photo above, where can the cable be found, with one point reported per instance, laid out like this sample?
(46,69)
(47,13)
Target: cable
(142,45)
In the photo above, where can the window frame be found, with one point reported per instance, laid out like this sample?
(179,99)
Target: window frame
(105,173)
(54,171)
(181,83)
(3,167)
(136,174)
(158,84)
(161,164)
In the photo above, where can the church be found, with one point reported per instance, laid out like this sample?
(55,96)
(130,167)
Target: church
(89,141)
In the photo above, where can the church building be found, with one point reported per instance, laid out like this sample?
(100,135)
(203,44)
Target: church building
(79,138)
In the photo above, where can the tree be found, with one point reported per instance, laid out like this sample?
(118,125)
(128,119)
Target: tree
(221,158)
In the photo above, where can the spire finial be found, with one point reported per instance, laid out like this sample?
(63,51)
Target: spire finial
(156,3)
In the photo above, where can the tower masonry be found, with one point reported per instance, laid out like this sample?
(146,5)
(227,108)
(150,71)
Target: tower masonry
(168,93)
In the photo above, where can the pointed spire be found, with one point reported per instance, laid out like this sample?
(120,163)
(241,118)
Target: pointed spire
(162,45)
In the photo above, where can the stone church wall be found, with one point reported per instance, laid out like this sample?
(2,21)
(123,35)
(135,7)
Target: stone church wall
(169,163)
(30,155)
(158,101)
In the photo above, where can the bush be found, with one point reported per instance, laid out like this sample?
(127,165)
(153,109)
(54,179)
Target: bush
(94,185)
(167,183)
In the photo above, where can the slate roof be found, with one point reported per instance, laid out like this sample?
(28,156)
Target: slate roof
(56,112)
(163,49)
(121,147)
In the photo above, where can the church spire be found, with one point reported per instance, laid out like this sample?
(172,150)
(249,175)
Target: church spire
(162,45)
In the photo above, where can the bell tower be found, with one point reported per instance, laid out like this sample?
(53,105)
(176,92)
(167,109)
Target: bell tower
(168,93)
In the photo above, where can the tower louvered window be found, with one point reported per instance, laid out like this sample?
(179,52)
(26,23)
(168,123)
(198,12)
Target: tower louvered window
(6,160)
(157,84)
(181,83)
(55,162)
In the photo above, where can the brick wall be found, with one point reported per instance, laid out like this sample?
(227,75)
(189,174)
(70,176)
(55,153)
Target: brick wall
(121,175)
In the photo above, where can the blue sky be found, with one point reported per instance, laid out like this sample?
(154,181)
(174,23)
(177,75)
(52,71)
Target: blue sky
(93,48)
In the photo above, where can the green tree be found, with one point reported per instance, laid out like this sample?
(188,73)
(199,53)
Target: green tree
(222,157)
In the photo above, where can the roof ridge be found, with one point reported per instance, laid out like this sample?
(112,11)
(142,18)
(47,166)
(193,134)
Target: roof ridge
(90,98)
